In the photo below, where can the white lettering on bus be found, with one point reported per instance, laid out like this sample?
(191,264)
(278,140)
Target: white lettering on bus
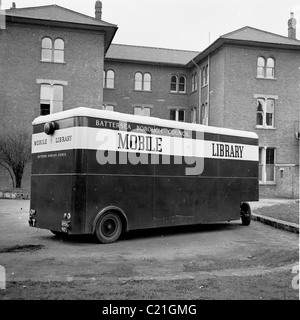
(227,150)
(113,124)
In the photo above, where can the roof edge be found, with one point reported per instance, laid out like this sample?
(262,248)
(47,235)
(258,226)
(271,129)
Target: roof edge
(259,30)
(9,12)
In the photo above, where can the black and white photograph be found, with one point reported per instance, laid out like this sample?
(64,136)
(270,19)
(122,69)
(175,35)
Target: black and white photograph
(149,153)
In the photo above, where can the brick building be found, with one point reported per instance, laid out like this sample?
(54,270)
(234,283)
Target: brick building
(247,79)
(51,59)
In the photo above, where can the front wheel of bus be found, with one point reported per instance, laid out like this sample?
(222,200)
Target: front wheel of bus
(108,228)
(245,213)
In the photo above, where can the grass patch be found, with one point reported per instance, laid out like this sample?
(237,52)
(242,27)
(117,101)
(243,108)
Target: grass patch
(286,212)
(14,190)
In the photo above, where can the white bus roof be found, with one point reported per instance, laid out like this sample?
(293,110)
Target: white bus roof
(112,115)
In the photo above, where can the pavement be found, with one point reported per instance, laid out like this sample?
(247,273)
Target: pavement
(263,202)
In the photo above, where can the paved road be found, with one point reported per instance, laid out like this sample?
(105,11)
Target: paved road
(221,261)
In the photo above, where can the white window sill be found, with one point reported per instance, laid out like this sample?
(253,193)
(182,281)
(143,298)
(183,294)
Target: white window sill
(136,90)
(265,78)
(268,183)
(265,127)
(46,61)
(177,92)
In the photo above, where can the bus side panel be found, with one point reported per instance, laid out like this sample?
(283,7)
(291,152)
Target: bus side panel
(79,205)
(51,197)
(185,200)
(132,194)
(229,196)
(249,190)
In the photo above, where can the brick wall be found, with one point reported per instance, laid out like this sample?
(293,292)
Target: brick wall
(160,99)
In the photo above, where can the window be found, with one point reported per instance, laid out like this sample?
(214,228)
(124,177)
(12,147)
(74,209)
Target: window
(204,76)
(46,49)
(178,84)
(51,98)
(174,81)
(147,82)
(142,111)
(260,67)
(266,165)
(182,84)
(108,107)
(53,51)
(265,112)
(142,81)
(177,115)
(204,114)
(138,81)
(59,48)
(265,68)
(270,71)
(108,79)
(193,115)
(194,82)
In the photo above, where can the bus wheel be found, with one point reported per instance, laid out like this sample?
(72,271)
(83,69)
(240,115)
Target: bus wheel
(108,228)
(245,213)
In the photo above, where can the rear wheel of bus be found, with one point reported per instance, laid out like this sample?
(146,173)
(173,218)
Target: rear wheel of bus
(245,213)
(108,227)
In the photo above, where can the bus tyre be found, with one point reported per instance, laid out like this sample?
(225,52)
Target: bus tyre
(108,228)
(245,213)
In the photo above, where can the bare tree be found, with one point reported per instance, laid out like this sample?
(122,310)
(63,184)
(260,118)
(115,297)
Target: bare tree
(15,152)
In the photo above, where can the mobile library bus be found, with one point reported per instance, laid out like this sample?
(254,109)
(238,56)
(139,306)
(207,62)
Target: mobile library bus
(101,172)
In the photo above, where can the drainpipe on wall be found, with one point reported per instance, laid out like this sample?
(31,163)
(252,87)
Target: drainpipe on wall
(199,90)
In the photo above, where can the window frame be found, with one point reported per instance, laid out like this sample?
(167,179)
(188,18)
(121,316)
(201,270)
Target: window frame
(262,69)
(194,115)
(194,82)
(204,76)
(142,82)
(174,83)
(51,101)
(142,110)
(272,68)
(204,112)
(177,113)
(182,84)
(264,112)
(178,84)
(105,79)
(263,165)
(53,50)
(107,106)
